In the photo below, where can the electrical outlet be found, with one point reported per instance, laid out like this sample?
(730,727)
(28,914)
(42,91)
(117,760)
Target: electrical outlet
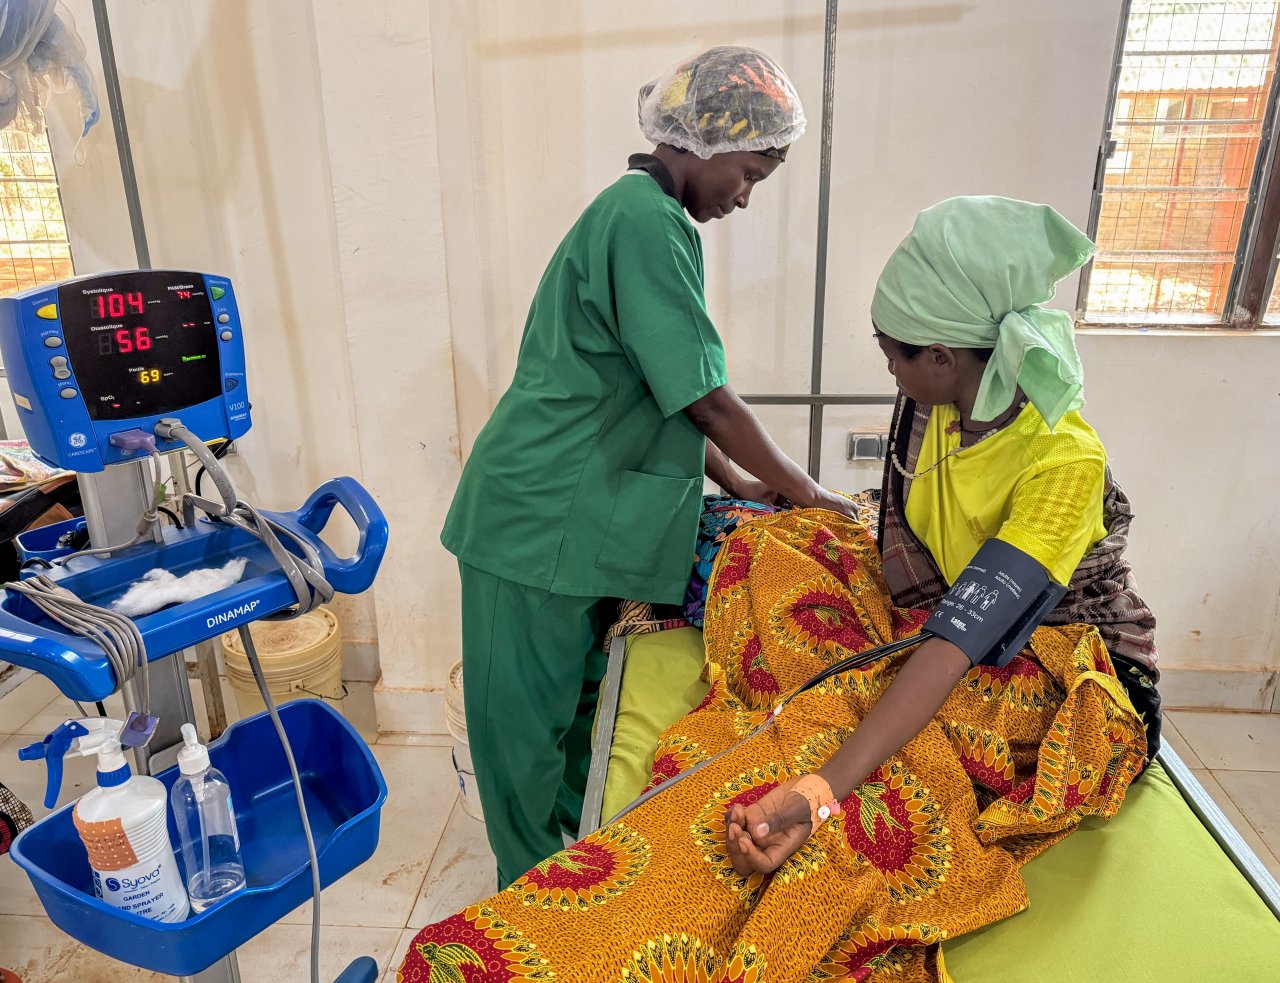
(865,446)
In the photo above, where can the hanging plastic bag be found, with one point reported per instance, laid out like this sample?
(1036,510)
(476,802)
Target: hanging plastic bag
(40,50)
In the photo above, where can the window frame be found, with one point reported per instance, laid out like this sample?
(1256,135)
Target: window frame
(1253,271)
(54,179)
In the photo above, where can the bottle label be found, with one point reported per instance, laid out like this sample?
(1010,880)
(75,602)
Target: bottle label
(106,842)
(152,890)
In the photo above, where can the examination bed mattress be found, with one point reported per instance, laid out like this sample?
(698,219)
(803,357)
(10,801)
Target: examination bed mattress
(1166,891)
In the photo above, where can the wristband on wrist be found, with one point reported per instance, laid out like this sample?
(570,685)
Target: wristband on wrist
(822,802)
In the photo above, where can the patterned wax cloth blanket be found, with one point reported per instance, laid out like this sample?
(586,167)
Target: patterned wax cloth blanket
(930,846)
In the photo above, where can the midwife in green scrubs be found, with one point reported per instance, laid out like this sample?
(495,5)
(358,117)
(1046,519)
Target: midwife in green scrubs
(586,483)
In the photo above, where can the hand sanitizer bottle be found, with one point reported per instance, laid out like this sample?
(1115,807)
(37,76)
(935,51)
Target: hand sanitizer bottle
(206,821)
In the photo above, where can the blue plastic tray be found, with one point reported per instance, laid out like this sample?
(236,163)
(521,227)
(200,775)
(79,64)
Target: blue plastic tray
(41,543)
(76,665)
(344,791)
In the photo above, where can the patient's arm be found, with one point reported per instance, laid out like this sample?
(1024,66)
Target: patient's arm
(918,691)
(761,836)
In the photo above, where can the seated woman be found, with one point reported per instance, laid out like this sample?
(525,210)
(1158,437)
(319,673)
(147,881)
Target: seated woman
(888,808)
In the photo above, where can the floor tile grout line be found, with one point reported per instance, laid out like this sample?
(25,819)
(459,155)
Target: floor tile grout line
(1183,738)
(1200,757)
(1256,771)
(1263,849)
(1239,808)
(53,699)
(385,967)
(427,870)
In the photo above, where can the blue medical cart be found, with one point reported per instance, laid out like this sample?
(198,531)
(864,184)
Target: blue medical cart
(94,364)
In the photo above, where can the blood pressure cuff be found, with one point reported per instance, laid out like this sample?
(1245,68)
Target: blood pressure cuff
(995,604)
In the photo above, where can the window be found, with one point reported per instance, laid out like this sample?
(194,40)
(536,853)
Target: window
(1183,212)
(33,236)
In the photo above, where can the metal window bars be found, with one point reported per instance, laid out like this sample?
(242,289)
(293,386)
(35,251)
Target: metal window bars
(34,247)
(1182,207)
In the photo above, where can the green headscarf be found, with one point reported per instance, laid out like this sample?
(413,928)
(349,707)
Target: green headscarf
(973,273)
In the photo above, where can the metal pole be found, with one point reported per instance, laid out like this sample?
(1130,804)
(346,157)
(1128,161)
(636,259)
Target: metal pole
(819,399)
(115,498)
(112,80)
(824,209)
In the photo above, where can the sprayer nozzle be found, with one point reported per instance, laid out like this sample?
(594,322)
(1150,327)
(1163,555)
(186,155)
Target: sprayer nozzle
(51,750)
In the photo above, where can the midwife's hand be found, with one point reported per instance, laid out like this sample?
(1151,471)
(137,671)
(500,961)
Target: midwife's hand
(820,498)
(763,835)
(751,490)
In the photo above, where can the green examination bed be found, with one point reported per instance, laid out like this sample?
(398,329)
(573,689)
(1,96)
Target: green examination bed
(1166,892)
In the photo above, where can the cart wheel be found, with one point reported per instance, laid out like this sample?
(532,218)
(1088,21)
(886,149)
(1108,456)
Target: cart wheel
(363,970)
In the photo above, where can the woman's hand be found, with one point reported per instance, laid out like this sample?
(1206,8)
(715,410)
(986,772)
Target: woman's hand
(760,837)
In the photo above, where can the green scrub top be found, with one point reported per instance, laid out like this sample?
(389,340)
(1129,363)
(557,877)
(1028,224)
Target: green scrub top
(587,479)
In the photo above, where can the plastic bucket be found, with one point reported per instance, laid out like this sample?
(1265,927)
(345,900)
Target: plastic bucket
(455,717)
(301,659)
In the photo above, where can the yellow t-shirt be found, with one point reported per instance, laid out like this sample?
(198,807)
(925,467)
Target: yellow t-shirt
(1036,490)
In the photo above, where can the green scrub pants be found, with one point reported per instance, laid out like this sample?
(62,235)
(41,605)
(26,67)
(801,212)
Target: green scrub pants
(531,669)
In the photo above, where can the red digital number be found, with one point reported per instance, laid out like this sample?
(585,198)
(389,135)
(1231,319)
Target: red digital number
(141,339)
(124,343)
(115,305)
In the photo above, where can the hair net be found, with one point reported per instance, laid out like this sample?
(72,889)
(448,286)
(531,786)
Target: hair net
(726,99)
(39,47)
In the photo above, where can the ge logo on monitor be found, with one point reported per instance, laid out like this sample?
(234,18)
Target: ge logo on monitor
(77,439)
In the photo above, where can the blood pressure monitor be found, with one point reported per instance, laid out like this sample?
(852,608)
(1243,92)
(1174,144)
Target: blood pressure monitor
(101,356)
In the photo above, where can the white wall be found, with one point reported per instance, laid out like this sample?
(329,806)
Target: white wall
(386,181)
(1191,423)
(385,159)
(933,100)
(228,133)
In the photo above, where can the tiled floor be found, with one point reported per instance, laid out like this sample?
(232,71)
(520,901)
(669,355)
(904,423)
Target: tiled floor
(433,858)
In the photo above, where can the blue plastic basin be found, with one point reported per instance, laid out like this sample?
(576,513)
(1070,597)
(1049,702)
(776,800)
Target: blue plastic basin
(41,543)
(344,791)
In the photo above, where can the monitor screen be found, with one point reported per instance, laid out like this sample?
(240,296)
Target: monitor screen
(141,344)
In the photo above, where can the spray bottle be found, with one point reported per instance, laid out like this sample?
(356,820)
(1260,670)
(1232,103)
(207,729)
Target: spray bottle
(122,822)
